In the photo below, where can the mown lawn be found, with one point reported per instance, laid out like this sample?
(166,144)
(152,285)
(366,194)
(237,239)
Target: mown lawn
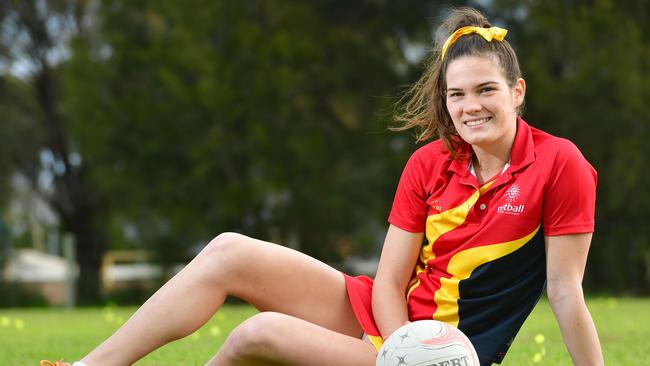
(28,335)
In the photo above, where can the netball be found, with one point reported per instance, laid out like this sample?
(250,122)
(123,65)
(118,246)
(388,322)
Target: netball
(427,343)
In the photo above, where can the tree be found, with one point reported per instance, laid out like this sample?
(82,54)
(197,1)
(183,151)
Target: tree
(170,123)
(34,35)
(259,117)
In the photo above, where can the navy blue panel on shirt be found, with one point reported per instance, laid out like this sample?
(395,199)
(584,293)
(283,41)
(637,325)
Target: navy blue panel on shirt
(491,311)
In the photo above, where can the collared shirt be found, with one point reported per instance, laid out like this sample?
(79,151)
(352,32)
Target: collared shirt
(482,264)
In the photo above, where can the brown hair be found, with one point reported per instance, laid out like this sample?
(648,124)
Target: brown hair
(424,106)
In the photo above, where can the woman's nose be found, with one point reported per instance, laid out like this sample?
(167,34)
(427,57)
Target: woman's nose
(471,105)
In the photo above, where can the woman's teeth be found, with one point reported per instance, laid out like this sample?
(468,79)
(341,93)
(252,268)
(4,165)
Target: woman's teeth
(477,122)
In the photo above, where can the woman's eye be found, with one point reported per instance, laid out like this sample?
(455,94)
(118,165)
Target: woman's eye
(485,90)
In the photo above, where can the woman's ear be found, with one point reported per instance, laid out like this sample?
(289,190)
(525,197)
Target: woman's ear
(519,92)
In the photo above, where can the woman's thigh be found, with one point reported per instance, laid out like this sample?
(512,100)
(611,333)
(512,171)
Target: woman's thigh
(278,339)
(278,279)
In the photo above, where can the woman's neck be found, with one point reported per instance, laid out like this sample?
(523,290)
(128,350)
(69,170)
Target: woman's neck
(490,159)
(489,162)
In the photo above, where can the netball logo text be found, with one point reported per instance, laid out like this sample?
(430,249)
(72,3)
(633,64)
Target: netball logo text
(511,196)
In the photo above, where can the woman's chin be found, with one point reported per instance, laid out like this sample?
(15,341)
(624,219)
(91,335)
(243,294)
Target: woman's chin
(476,140)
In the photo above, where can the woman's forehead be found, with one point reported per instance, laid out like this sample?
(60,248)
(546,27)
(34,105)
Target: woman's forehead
(471,71)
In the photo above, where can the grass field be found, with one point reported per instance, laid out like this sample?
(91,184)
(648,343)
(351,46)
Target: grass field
(28,335)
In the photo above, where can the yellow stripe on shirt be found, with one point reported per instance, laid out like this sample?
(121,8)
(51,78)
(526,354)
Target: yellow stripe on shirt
(440,224)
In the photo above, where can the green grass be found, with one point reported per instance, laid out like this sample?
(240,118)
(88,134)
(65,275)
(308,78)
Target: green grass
(28,335)
(54,334)
(623,327)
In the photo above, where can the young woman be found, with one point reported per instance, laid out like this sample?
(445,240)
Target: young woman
(483,218)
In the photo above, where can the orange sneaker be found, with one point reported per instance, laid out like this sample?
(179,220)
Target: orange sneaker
(49,363)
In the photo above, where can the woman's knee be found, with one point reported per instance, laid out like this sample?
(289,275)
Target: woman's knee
(222,254)
(224,244)
(258,338)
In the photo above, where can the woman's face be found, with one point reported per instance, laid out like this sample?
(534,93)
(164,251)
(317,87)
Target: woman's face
(482,106)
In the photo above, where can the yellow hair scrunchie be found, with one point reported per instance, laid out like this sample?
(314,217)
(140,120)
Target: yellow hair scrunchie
(488,33)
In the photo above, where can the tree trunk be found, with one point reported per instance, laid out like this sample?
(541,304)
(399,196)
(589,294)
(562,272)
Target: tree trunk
(79,207)
(90,246)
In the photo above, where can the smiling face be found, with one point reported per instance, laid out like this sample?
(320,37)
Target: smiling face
(481,104)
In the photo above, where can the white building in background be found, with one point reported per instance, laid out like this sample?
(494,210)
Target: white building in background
(49,275)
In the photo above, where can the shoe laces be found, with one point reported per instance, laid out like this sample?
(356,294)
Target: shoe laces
(50,363)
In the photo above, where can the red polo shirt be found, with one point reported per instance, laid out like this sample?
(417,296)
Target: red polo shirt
(482,264)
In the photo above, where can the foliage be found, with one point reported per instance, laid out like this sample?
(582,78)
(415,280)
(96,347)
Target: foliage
(20,136)
(260,118)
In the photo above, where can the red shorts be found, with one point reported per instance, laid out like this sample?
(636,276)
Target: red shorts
(360,294)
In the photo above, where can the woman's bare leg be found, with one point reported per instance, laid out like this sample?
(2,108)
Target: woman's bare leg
(268,276)
(279,339)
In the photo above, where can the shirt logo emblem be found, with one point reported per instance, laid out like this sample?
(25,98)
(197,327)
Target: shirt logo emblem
(511,207)
(513,193)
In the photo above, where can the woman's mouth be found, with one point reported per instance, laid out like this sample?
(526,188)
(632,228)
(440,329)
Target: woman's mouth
(477,122)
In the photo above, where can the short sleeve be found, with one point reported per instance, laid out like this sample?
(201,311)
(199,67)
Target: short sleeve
(410,204)
(570,194)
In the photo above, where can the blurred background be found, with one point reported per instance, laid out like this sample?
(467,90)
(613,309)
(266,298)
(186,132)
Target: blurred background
(132,132)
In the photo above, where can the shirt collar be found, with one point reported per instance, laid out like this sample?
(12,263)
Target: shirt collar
(523,149)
